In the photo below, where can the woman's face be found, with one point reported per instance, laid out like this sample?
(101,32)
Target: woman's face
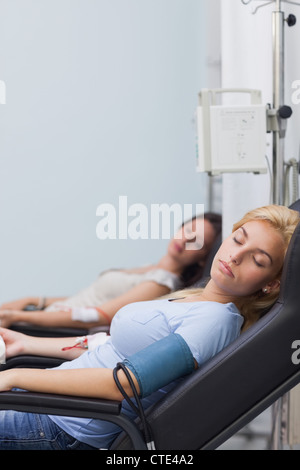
(192,242)
(249,259)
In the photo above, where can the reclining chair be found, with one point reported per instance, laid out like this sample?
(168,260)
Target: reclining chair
(215,401)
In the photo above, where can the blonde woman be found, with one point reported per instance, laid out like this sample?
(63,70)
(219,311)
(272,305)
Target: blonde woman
(157,341)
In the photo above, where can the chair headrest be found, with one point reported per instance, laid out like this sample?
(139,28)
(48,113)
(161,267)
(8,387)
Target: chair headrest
(290,279)
(208,262)
(295,206)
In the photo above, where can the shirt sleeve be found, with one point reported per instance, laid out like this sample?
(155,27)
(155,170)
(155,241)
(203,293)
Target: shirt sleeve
(210,332)
(164,278)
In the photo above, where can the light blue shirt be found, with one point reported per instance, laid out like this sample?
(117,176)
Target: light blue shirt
(207,327)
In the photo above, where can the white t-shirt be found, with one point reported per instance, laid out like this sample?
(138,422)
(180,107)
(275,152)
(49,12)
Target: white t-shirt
(114,282)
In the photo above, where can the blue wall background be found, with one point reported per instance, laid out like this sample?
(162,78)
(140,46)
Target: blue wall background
(100,103)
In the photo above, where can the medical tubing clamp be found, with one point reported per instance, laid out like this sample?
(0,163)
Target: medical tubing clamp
(139,410)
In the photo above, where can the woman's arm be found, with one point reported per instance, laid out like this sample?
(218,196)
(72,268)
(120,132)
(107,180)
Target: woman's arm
(20,304)
(147,290)
(150,369)
(18,344)
(52,319)
(91,383)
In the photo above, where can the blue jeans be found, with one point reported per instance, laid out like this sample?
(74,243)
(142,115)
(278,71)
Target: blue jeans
(29,431)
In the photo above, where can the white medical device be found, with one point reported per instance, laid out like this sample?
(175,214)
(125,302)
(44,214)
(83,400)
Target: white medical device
(231,138)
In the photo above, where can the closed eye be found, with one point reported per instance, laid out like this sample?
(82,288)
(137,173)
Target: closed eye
(257,263)
(237,241)
(240,238)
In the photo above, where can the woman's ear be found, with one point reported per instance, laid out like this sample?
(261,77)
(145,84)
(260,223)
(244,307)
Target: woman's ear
(271,286)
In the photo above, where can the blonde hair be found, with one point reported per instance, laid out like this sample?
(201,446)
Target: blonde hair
(284,221)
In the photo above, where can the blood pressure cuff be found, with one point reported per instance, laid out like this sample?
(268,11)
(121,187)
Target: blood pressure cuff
(160,363)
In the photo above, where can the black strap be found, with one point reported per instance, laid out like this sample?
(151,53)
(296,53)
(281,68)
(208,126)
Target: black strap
(139,410)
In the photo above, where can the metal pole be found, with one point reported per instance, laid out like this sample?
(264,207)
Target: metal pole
(278,102)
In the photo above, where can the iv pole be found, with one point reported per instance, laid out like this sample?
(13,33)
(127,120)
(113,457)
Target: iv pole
(279,113)
(278,102)
(280,110)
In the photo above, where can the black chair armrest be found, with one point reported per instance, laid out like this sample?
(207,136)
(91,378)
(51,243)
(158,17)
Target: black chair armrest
(107,410)
(62,405)
(55,332)
(34,362)
(46,332)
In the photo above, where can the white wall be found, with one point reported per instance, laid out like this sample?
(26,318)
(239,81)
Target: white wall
(100,103)
(247,63)
(213,62)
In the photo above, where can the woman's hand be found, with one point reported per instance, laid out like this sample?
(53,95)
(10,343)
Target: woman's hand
(16,343)
(8,317)
(6,380)
(19,304)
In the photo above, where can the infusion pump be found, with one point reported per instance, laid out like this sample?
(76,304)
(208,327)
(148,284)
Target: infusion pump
(231,138)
